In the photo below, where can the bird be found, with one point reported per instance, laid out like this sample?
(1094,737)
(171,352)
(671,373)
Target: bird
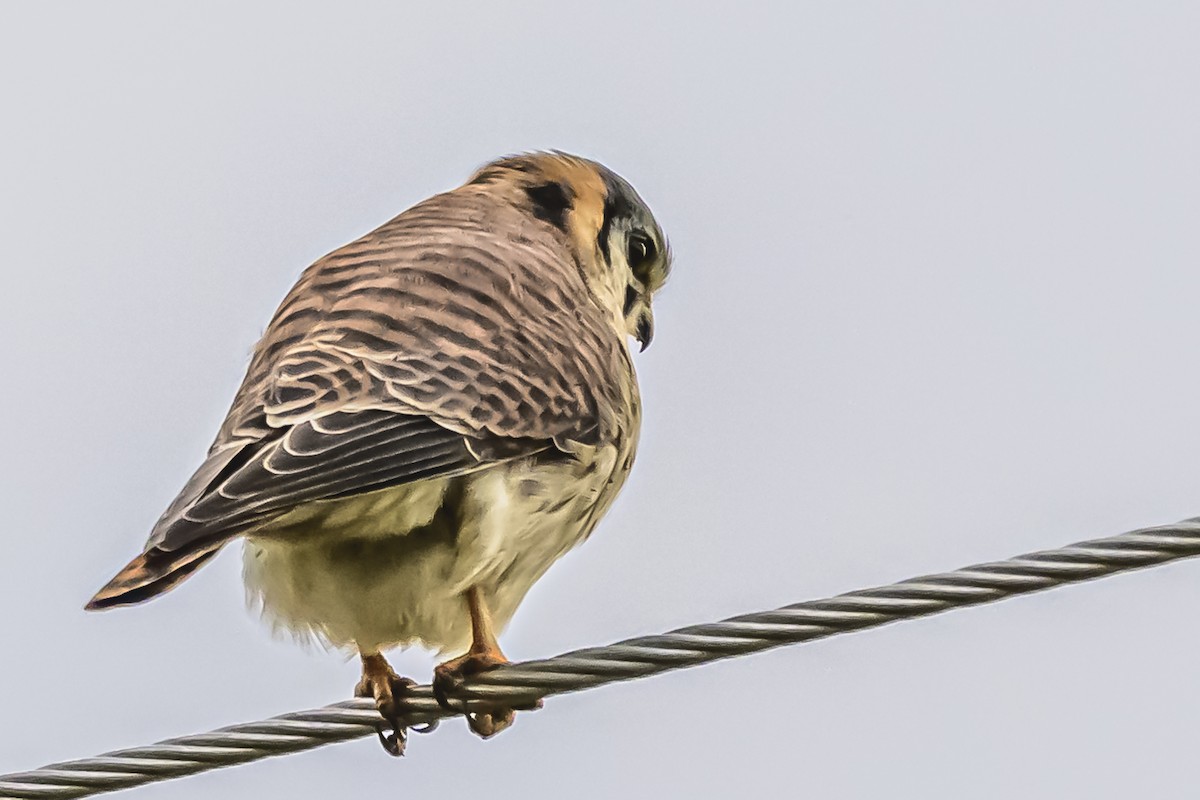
(436,413)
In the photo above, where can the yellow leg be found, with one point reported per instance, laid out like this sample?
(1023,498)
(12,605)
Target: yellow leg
(485,654)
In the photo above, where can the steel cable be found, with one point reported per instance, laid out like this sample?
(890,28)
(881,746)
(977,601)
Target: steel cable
(521,684)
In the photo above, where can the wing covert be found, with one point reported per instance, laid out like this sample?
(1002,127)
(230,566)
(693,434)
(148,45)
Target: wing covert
(456,335)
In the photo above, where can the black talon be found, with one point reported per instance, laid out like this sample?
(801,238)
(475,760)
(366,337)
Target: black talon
(439,694)
(396,741)
(441,685)
(393,741)
(389,691)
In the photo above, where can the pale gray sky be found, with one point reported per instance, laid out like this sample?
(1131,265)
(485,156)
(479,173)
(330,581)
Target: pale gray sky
(935,302)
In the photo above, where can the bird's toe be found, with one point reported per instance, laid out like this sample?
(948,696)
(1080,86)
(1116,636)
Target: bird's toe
(487,724)
(387,689)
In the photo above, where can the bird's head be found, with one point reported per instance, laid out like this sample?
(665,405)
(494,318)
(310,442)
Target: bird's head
(616,241)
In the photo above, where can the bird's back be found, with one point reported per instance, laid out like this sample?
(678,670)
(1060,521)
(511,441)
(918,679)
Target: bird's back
(463,308)
(458,335)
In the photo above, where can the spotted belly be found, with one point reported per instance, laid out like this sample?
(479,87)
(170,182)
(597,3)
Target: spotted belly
(389,568)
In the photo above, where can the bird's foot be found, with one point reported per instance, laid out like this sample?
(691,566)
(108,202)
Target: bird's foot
(380,682)
(448,678)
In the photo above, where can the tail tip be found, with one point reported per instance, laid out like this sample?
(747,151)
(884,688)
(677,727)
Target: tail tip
(149,575)
(98,603)
(123,588)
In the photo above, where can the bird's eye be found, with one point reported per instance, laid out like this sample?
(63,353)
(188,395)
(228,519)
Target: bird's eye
(640,252)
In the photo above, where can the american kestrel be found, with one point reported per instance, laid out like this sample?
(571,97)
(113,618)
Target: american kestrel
(436,413)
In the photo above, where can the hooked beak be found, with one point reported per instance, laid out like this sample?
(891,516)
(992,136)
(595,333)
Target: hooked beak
(645,328)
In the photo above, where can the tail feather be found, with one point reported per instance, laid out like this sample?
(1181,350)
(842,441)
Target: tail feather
(149,575)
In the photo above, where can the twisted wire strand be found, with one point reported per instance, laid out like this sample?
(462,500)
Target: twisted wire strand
(522,683)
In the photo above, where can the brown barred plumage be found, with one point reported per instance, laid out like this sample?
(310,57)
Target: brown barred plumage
(437,411)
